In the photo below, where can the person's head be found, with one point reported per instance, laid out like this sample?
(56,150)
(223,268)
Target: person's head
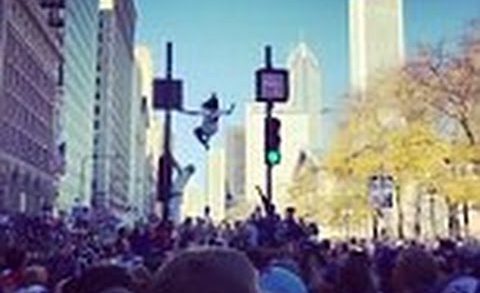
(207,211)
(290,212)
(313,229)
(188,221)
(206,270)
(35,275)
(190,168)
(102,278)
(211,103)
(271,209)
(281,280)
(355,274)
(15,258)
(415,271)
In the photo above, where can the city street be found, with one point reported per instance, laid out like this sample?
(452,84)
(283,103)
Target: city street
(249,146)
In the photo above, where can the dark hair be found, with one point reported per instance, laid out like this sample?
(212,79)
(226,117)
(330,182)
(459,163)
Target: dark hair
(415,270)
(211,103)
(354,275)
(206,270)
(15,258)
(98,279)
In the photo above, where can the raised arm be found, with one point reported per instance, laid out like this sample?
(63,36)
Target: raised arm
(192,112)
(227,111)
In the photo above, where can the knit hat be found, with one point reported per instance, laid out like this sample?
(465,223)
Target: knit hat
(280,280)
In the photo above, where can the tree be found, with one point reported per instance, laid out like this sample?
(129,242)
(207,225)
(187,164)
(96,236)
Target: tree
(389,130)
(452,78)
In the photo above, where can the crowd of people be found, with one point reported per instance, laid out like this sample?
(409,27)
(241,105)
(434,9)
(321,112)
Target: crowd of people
(266,253)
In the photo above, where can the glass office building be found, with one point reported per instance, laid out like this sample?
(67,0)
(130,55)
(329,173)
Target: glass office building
(80,47)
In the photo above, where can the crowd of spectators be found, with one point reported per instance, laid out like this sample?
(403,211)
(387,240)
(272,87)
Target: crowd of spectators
(265,253)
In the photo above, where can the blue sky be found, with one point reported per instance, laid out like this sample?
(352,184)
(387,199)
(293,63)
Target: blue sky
(219,44)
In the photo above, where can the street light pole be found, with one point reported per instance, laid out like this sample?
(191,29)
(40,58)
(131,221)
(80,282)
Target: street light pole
(166,141)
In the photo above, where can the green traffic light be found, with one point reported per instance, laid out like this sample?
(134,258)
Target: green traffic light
(274,157)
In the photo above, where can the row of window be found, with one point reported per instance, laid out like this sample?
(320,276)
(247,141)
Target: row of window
(19,145)
(19,114)
(20,88)
(20,57)
(33,33)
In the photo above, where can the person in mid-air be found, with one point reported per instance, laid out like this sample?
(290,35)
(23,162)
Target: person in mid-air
(211,114)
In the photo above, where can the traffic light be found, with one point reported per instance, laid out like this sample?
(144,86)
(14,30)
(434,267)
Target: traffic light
(272,141)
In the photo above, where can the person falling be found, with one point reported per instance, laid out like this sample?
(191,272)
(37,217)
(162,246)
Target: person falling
(211,115)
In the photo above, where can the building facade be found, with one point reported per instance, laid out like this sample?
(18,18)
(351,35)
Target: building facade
(235,164)
(306,90)
(295,140)
(112,110)
(376,39)
(216,184)
(79,49)
(153,137)
(30,58)
(139,177)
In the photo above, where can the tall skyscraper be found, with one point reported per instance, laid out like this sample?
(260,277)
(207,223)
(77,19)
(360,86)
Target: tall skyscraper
(376,39)
(113,101)
(306,95)
(79,49)
(30,58)
(140,187)
(235,164)
(143,58)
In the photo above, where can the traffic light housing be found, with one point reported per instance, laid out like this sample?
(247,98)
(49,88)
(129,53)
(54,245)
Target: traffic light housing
(273,140)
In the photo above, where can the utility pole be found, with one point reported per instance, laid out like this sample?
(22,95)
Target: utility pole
(272,86)
(269,110)
(167,152)
(167,97)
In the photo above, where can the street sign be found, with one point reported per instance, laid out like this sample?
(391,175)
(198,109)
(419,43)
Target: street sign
(272,85)
(381,190)
(167,94)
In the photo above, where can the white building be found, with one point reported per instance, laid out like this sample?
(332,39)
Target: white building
(153,138)
(300,129)
(194,201)
(306,90)
(79,49)
(295,139)
(235,163)
(376,39)
(113,99)
(140,185)
(30,55)
(216,183)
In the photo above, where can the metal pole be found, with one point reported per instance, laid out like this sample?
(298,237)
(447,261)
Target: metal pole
(269,169)
(268,57)
(166,138)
